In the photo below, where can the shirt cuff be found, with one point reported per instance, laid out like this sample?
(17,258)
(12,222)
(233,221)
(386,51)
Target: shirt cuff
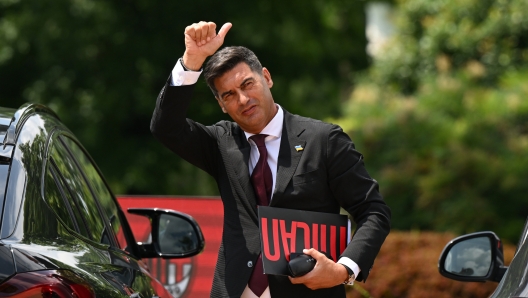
(350,264)
(182,77)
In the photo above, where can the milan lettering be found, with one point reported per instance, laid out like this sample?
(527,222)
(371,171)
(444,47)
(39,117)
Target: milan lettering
(287,231)
(290,232)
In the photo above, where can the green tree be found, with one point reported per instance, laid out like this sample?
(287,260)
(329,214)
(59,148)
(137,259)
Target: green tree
(100,64)
(442,116)
(487,36)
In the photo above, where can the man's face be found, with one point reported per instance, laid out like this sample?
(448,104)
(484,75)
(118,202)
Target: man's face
(245,95)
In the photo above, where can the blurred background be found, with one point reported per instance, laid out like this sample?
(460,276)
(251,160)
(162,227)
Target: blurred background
(433,93)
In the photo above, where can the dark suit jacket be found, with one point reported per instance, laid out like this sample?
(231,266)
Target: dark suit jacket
(327,174)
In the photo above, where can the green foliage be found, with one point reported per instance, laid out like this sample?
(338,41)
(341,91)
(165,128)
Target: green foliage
(100,65)
(454,156)
(442,116)
(487,36)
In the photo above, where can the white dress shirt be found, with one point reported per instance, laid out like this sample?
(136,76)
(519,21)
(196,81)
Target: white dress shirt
(181,77)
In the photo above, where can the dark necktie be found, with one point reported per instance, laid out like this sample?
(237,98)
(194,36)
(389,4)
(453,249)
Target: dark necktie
(262,184)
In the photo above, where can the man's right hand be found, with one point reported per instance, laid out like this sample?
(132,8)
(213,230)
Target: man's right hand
(201,41)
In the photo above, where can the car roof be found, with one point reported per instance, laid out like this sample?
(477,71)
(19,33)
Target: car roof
(12,120)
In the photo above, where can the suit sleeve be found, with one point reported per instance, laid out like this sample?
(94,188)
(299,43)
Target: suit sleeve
(357,193)
(190,140)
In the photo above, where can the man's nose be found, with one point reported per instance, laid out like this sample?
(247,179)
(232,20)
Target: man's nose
(243,98)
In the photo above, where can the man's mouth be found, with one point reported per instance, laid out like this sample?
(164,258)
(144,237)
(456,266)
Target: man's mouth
(249,110)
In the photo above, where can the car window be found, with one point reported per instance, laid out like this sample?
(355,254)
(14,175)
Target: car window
(55,191)
(81,197)
(101,191)
(56,200)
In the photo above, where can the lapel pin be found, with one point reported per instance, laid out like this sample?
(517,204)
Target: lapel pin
(299,148)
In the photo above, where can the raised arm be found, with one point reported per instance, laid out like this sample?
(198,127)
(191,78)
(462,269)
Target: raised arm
(192,141)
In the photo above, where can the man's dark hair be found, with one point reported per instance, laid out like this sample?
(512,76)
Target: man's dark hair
(225,60)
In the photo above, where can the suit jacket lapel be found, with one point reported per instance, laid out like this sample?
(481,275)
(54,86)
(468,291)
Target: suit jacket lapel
(289,157)
(237,159)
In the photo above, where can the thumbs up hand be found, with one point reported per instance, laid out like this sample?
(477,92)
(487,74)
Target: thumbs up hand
(201,41)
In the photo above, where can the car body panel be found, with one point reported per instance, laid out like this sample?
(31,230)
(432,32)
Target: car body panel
(515,281)
(7,266)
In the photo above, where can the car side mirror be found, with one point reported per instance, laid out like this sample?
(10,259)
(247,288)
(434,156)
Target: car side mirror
(174,234)
(473,257)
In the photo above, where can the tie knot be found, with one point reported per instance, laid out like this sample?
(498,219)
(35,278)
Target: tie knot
(259,139)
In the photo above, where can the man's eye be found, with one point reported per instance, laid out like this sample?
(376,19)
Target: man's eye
(247,84)
(228,96)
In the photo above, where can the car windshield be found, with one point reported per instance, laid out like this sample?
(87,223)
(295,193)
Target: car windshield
(515,281)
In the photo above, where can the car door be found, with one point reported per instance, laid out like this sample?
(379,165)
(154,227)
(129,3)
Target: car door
(100,219)
(515,281)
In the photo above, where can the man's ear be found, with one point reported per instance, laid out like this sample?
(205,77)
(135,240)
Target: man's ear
(221,104)
(267,77)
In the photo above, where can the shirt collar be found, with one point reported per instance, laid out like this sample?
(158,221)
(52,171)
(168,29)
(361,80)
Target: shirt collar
(274,128)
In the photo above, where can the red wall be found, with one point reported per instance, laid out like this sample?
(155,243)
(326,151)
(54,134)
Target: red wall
(191,277)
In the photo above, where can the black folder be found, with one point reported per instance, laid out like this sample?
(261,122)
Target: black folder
(287,231)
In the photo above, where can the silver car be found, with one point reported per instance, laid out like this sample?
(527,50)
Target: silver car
(478,257)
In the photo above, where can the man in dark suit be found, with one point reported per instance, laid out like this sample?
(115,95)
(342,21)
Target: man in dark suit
(314,166)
